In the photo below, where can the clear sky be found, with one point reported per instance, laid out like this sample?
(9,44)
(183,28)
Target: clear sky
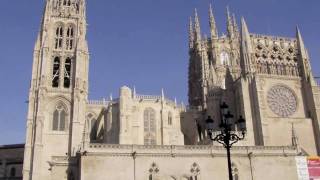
(141,43)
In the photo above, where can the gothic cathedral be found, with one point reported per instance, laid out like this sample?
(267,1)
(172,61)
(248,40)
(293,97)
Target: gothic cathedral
(267,80)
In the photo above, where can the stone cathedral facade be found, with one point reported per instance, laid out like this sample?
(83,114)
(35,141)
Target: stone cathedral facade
(268,80)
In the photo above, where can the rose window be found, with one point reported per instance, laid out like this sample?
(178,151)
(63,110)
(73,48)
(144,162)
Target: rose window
(282,101)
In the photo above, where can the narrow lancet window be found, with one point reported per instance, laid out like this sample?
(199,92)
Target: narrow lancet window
(70,38)
(92,123)
(150,127)
(59,37)
(59,118)
(170,118)
(67,73)
(56,72)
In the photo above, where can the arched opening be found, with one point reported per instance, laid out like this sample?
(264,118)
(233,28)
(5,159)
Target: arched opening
(59,122)
(67,73)
(150,127)
(56,72)
(195,172)
(13,172)
(70,38)
(93,126)
(59,37)
(67,2)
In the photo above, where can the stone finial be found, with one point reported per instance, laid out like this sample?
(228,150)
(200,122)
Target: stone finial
(162,94)
(229,24)
(212,22)
(197,27)
(134,94)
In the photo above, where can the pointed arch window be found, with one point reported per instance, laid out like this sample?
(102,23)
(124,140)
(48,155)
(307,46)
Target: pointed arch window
(59,37)
(13,172)
(56,72)
(70,38)
(224,58)
(67,73)
(149,127)
(92,124)
(67,2)
(195,171)
(59,122)
(170,118)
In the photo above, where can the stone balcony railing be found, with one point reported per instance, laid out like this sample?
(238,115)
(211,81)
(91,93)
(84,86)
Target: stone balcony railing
(275,38)
(196,150)
(98,102)
(148,97)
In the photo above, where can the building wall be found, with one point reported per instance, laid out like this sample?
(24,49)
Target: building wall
(11,161)
(177,162)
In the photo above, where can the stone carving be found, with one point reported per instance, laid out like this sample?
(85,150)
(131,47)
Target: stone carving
(282,101)
(153,171)
(277,57)
(195,169)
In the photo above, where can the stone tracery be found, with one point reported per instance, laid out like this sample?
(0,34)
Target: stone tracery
(282,101)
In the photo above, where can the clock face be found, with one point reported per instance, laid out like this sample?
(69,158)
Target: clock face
(282,101)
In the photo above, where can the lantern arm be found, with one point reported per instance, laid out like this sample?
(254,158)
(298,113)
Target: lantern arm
(234,138)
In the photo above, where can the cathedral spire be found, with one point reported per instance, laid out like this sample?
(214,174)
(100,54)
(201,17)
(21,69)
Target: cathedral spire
(229,24)
(191,34)
(212,21)
(197,27)
(246,49)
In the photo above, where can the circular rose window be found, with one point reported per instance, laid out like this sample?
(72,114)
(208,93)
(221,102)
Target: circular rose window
(282,101)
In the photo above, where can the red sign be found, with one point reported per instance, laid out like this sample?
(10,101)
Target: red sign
(314,168)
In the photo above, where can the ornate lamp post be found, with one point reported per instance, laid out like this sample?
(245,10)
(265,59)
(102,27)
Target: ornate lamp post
(225,135)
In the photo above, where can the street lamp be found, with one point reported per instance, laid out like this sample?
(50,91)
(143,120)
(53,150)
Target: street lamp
(226,136)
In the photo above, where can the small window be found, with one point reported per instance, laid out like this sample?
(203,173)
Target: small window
(67,73)
(59,37)
(59,119)
(13,172)
(56,72)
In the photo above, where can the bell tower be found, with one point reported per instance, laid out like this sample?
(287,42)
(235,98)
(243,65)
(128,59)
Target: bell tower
(59,88)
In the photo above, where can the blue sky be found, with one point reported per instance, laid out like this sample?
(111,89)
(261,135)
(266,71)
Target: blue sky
(141,43)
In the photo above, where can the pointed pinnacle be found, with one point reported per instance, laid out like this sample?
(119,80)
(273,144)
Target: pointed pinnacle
(210,11)
(230,28)
(234,20)
(212,22)
(197,26)
(228,13)
(196,18)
